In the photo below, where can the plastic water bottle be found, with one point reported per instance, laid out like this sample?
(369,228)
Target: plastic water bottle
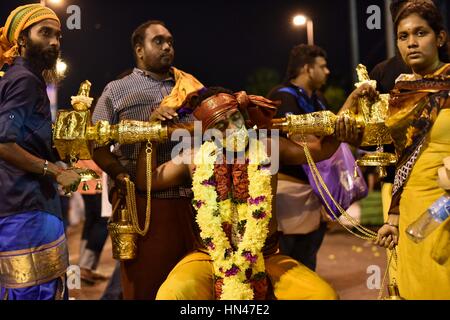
(430,219)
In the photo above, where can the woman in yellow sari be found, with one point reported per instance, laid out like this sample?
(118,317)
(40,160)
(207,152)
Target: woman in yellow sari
(419,118)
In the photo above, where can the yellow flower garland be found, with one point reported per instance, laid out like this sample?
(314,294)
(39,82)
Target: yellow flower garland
(228,264)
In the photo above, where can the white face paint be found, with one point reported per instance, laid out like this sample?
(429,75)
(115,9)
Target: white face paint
(237,141)
(233,127)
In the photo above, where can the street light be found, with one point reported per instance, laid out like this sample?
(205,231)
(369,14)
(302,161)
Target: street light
(52,88)
(54,2)
(61,68)
(301,20)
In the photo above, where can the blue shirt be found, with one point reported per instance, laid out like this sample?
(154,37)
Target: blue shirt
(25,119)
(295,100)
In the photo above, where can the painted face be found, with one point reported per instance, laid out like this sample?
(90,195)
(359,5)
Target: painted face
(232,125)
(418,43)
(157,52)
(319,73)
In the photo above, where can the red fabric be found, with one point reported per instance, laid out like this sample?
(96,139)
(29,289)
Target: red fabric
(259,109)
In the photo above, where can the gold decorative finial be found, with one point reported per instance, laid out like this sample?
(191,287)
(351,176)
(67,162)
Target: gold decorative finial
(82,101)
(363,75)
(85,88)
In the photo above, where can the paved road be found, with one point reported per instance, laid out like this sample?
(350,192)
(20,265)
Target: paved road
(347,263)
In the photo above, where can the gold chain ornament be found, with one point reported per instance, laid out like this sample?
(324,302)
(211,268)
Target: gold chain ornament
(131,195)
(125,230)
(365,233)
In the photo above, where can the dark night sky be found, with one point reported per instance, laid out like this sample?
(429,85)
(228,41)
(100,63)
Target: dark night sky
(220,42)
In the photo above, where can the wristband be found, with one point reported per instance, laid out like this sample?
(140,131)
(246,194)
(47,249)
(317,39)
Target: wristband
(45,169)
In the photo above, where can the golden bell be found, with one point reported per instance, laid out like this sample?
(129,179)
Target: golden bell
(378,159)
(394,293)
(85,186)
(98,186)
(124,237)
(86,174)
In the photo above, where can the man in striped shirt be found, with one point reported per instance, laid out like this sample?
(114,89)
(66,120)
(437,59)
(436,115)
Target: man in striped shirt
(142,95)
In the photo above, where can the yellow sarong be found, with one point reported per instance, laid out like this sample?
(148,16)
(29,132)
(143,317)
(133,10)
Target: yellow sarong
(193,279)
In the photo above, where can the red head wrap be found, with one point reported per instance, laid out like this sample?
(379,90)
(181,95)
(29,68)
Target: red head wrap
(259,109)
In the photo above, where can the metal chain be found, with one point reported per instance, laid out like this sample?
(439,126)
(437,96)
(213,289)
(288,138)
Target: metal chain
(367,233)
(393,255)
(131,196)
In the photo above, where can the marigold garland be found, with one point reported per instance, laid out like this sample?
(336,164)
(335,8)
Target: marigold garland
(240,270)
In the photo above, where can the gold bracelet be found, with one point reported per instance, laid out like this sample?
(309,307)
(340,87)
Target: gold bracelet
(45,169)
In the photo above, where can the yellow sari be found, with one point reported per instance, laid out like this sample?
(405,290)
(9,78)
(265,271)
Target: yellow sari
(419,275)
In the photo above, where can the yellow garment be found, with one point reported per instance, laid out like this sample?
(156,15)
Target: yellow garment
(441,249)
(386,197)
(18,20)
(419,276)
(192,279)
(185,84)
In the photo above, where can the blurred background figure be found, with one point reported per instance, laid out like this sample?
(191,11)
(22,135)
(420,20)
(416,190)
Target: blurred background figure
(95,230)
(300,212)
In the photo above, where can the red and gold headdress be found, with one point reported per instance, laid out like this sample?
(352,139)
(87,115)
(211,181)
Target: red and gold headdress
(259,109)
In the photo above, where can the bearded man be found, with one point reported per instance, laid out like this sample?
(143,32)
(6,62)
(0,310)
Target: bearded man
(33,249)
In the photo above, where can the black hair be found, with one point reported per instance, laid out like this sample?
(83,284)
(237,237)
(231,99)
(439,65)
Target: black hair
(209,92)
(138,36)
(430,13)
(395,7)
(300,56)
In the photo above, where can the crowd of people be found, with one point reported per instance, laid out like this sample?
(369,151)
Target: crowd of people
(220,228)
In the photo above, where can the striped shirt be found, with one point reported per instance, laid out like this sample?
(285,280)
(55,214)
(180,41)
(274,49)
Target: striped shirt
(135,97)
